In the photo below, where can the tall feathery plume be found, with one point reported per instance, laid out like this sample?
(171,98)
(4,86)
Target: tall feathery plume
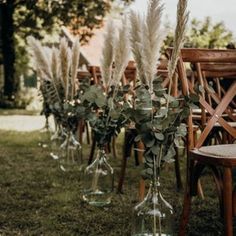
(136,43)
(55,64)
(65,65)
(108,53)
(74,64)
(180,30)
(43,68)
(122,52)
(40,58)
(153,38)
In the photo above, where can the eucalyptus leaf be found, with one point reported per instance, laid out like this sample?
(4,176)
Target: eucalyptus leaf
(155,149)
(159,136)
(169,155)
(138,138)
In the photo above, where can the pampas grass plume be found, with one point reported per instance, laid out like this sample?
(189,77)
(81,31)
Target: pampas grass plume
(122,51)
(108,53)
(74,64)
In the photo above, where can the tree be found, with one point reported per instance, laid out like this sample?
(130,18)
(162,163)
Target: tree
(20,18)
(205,34)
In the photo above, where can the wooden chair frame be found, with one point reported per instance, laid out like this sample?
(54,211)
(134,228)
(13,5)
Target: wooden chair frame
(197,159)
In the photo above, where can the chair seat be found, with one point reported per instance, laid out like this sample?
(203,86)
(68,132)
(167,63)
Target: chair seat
(224,154)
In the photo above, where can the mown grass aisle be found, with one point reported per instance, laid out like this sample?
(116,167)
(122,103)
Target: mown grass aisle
(36,198)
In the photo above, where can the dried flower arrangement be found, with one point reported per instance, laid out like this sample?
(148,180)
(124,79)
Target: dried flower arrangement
(107,99)
(157,115)
(57,70)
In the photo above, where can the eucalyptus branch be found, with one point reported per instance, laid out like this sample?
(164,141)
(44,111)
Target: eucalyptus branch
(180,30)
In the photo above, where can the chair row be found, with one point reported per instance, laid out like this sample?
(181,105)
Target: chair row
(211,75)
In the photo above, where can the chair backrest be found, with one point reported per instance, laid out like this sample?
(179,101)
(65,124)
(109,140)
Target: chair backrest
(215,100)
(130,75)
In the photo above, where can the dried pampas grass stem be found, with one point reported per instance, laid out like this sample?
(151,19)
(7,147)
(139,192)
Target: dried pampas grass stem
(180,30)
(55,64)
(122,52)
(153,38)
(108,53)
(136,41)
(74,65)
(41,60)
(65,65)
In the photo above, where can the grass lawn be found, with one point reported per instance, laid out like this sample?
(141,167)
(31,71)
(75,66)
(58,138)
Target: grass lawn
(36,198)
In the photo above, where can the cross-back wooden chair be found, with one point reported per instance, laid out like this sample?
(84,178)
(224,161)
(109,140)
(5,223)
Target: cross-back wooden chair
(220,158)
(130,132)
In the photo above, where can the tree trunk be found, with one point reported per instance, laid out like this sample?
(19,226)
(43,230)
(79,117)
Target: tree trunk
(8,51)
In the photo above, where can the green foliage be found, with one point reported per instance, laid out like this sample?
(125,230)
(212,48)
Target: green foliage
(105,112)
(160,127)
(205,34)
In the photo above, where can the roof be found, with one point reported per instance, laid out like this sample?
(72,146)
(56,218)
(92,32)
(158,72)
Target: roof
(91,52)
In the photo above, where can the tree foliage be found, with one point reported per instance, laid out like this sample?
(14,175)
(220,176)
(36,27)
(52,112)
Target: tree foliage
(41,18)
(205,34)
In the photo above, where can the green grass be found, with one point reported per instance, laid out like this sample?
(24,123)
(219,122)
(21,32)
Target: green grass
(36,198)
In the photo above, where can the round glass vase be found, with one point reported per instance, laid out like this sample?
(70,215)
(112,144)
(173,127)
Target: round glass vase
(98,181)
(154,215)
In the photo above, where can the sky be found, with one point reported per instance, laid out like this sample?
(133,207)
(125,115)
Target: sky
(218,10)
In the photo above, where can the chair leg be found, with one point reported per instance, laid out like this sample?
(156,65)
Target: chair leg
(141,189)
(136,154)
(140,146)
(187,199)
(234,202)
(114,147)
(177,172)
(185,213)
(126,153)
(122,175)
(227,195)
(81,130)
(87,132)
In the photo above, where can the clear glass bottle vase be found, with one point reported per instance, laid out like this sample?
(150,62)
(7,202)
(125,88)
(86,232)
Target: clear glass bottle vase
(98,181)
(154,215)
(70,157)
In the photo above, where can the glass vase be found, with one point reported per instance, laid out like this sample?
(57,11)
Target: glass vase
(154,215)
(56,140)
(70,156)
(98,181)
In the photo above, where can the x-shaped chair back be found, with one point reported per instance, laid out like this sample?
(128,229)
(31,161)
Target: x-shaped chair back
(210,63)
(217,109)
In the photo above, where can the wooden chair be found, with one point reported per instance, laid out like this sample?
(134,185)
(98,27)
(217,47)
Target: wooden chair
(220,158)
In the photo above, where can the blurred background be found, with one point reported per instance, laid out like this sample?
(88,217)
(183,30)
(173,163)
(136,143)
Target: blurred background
(211,25)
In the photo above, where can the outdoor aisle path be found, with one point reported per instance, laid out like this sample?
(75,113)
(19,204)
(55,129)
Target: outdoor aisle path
(22,123)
